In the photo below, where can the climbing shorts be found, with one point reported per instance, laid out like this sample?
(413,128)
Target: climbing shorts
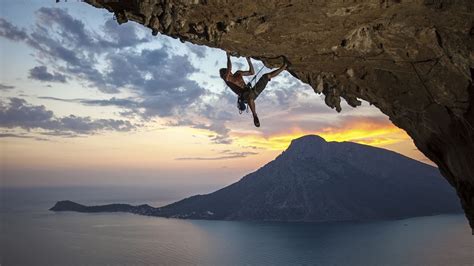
(259,86)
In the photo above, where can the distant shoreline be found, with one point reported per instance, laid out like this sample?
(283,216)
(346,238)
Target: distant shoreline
(147,210)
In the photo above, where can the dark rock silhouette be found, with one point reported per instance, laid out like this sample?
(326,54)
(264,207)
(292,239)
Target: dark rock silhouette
(67,205)
(411,59)
(314,180)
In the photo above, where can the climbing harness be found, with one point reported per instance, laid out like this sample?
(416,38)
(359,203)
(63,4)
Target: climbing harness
(242,103)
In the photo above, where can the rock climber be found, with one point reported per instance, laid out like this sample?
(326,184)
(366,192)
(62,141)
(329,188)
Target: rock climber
(246,92)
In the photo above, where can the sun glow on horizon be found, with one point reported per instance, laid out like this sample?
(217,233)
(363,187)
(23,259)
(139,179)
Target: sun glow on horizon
(363,132)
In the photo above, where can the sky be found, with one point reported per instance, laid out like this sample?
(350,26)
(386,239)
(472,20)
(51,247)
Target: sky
(86,102)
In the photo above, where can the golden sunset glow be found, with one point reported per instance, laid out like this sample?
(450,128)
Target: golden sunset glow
(363,132)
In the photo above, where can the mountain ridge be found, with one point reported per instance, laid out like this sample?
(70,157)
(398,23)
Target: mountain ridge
(315,181)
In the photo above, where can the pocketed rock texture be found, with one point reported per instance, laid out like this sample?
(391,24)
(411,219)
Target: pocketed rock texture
(413,60)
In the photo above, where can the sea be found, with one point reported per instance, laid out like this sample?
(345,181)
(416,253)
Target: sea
(33,235)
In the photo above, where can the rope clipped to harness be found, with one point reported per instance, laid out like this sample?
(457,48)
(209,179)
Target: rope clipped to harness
(255,77)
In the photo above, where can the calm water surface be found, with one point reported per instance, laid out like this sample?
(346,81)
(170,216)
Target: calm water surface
(31,235)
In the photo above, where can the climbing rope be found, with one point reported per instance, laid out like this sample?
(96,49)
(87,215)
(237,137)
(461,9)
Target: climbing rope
(255,76)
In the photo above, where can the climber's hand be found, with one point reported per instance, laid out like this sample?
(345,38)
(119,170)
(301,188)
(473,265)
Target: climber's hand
(235,54)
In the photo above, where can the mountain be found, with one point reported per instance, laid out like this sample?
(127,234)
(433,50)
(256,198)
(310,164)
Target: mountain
(315,180)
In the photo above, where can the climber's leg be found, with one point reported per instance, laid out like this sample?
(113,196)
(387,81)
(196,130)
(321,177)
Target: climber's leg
(275,73)
(251,103)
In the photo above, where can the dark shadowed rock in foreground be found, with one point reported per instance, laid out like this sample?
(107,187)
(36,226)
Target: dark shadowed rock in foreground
(315,181)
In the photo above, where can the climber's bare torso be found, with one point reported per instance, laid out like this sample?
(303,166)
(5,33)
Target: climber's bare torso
(235,82)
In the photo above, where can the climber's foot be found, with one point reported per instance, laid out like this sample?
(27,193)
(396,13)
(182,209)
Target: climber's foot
(256,122)
(286,63)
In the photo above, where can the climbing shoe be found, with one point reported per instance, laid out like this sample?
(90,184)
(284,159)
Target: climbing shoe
(256,122)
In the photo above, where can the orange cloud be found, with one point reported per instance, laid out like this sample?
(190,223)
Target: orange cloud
(365,130)
(375,133)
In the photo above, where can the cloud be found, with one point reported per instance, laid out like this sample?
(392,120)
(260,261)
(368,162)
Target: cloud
(11,135)
(122,36)
(61,41)
(41,73)
(348,123)
(21,136)
(199,50)
(374,130)
(215,117)
(110,61)
(228,155)
(160,79)
(65,43)
(120,59)
(17,113)
(119,102)
(145,108)
(64,134)
(12,32)
(58,22)
(4,87)
(218,127)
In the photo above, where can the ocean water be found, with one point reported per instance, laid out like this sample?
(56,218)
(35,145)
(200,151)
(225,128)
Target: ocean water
(32,235)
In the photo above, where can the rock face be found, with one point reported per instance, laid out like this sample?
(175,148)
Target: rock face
(315,181)
(413,59)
